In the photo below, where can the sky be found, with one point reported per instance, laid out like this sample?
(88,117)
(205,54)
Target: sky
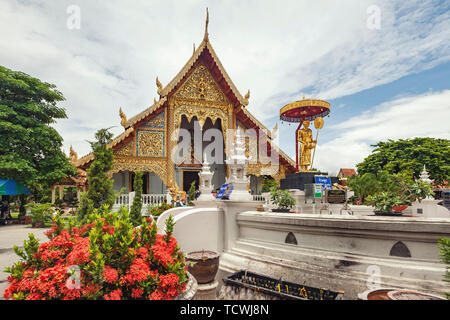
(384,66)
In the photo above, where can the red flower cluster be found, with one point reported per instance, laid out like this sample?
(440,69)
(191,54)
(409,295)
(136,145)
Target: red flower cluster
(110,275)
(138,271)
(163,251)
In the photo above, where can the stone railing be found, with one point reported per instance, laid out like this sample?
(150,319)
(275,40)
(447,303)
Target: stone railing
(259,197)
(147,199)
(153,199)
(122,200)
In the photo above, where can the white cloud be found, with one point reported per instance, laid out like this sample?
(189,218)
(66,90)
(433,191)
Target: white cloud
(417,116)
(278,51)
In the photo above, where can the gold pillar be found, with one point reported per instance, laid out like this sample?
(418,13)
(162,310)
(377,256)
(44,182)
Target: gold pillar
(171,143)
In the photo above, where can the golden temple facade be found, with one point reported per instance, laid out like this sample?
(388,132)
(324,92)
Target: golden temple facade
(203,92)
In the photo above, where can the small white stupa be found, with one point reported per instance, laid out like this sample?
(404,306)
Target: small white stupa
(237,165)
(206,186)
(424,176)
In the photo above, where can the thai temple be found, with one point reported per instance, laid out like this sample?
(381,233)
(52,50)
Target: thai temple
(201,96)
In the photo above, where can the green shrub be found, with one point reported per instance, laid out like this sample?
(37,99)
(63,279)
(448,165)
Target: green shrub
(282,198)
(41,213)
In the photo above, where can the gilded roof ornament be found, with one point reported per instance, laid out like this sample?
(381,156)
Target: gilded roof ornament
(154,101)
(206,38)
(247,96)
(73,155)
(159,85)
(123,122)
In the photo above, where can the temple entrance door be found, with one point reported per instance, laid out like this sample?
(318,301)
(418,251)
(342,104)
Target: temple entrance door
(188,177)
(144,183)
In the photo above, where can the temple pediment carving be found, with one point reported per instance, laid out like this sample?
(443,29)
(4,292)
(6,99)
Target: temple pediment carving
(200,85)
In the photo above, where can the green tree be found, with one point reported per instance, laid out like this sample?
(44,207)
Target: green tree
(100,190)
(410,155)
(268,184)
(30,148)
(363,185)
(191,194)
(136,207)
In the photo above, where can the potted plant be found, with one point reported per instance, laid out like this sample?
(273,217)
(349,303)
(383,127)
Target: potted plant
(384,202)
(41,213)
(282,199)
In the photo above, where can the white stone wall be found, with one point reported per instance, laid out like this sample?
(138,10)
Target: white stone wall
(199,229)
(333,251)
(340,252)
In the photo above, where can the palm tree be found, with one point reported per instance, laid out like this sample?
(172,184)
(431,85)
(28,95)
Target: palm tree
(364,185)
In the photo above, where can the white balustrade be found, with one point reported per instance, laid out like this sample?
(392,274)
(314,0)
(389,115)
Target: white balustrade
(153,199)
(259,197)
(122,200)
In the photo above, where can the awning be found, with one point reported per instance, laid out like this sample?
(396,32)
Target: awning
(12,187)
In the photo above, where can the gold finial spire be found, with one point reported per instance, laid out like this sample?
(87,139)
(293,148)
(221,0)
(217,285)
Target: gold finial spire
(123,122)
(274,130)
(159,85)
(154,101)
(247,96)
(206,26)
(193,52)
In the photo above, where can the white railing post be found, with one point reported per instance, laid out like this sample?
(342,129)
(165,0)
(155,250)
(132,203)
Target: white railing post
(130,199)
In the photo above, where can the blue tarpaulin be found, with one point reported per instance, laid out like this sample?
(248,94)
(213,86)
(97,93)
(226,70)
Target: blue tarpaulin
(12,187)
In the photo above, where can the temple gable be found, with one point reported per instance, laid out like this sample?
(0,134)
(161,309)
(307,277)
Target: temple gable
(200,85)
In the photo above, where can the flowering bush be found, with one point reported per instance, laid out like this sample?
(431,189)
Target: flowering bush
(106,258)
(156,211)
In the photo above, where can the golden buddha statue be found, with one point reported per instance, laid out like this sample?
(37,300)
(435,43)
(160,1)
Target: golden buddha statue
(307,143)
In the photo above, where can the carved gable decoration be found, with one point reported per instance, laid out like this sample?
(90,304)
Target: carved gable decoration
(157,122)
(125,150)
(201,86)
(150,143)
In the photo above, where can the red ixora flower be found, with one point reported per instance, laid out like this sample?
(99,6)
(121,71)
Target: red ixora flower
(49,275)
(113,295)
(163,251)
(139,271)
(80,253)
(110,274)
(156,295)
(137,293)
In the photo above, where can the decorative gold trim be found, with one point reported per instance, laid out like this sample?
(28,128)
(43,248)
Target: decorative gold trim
(123,122)
(201,114)
(133,164)
(305,103)
(90,156)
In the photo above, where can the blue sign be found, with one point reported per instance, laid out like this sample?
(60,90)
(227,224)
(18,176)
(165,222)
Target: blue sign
(326,181)
(225,191)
